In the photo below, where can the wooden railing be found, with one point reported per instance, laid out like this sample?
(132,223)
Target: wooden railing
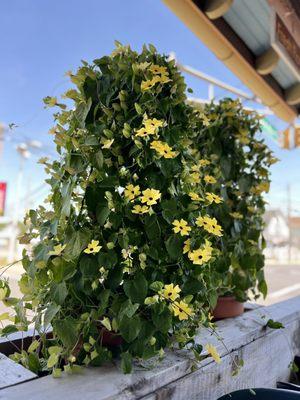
(267,354)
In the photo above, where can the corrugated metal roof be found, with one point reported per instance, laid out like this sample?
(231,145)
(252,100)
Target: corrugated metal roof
(250,19)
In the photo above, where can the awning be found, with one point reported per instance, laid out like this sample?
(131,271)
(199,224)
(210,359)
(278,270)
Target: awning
(258,40)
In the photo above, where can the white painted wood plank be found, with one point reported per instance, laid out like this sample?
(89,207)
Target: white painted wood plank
(266,361)
(244,335)
(12,373)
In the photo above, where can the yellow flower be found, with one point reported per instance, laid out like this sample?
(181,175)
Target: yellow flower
(273,160)
(161,75)
(243,136)
(131,191)
(163,149)
(236,215)
(263,172)
(181,310)
(159,70)
(171,292)
(152,125)
(213,198)
(164,79)
(212,351)
(207,246)
(203,163)
(210,225)
(57,250)
(150,196)
(261,187)
(187,246)
(142,132)
(209,179)
(146,85)
(181,227)
(195,168)
(93,247)
(195,196)
(201,256)
(140,209)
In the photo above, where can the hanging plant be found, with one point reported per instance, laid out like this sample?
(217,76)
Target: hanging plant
(241,163)
(123,253)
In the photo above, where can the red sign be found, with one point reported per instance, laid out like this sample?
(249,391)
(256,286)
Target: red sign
(3,186)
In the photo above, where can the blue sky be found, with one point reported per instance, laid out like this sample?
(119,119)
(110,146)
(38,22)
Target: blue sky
(41,40)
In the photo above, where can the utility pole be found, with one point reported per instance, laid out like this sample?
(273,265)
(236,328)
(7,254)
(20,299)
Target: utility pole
(289,207)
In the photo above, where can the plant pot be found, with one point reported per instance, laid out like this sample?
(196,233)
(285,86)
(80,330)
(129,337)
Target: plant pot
(227,307)
(111,339)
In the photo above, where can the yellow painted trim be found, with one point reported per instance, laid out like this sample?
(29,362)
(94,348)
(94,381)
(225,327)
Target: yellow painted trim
(292,94)
(204,29)
(217,8)
(267,62)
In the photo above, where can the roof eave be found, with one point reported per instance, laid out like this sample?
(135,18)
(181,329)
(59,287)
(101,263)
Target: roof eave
(226,45)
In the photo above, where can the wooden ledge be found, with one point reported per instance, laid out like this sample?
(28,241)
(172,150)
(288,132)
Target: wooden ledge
(266,353)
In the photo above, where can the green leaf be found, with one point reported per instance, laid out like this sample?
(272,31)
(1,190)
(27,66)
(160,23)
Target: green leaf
(244,184)
(82,111)
(8,329)
(225,167)
(33,346)
(50,313)
(156,286)
(107,260)
(97,160)
(34,363)
(136,289)
(192,286)
(66,330)
(102,214)
(103,355)
(128,309)
(89,266)
(138,108)
(152,227)
(170,209)
(62,269)
(59,292)
(106,322)
(114,277)
(163,320)
(126,362)
(274,324)
(76,243)
(174,247)
(56,373)
(52,360)
(263,288)
(66,192)
(130,328)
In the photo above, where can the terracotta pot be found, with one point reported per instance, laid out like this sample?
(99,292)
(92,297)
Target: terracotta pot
(111,339)
(227,307)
